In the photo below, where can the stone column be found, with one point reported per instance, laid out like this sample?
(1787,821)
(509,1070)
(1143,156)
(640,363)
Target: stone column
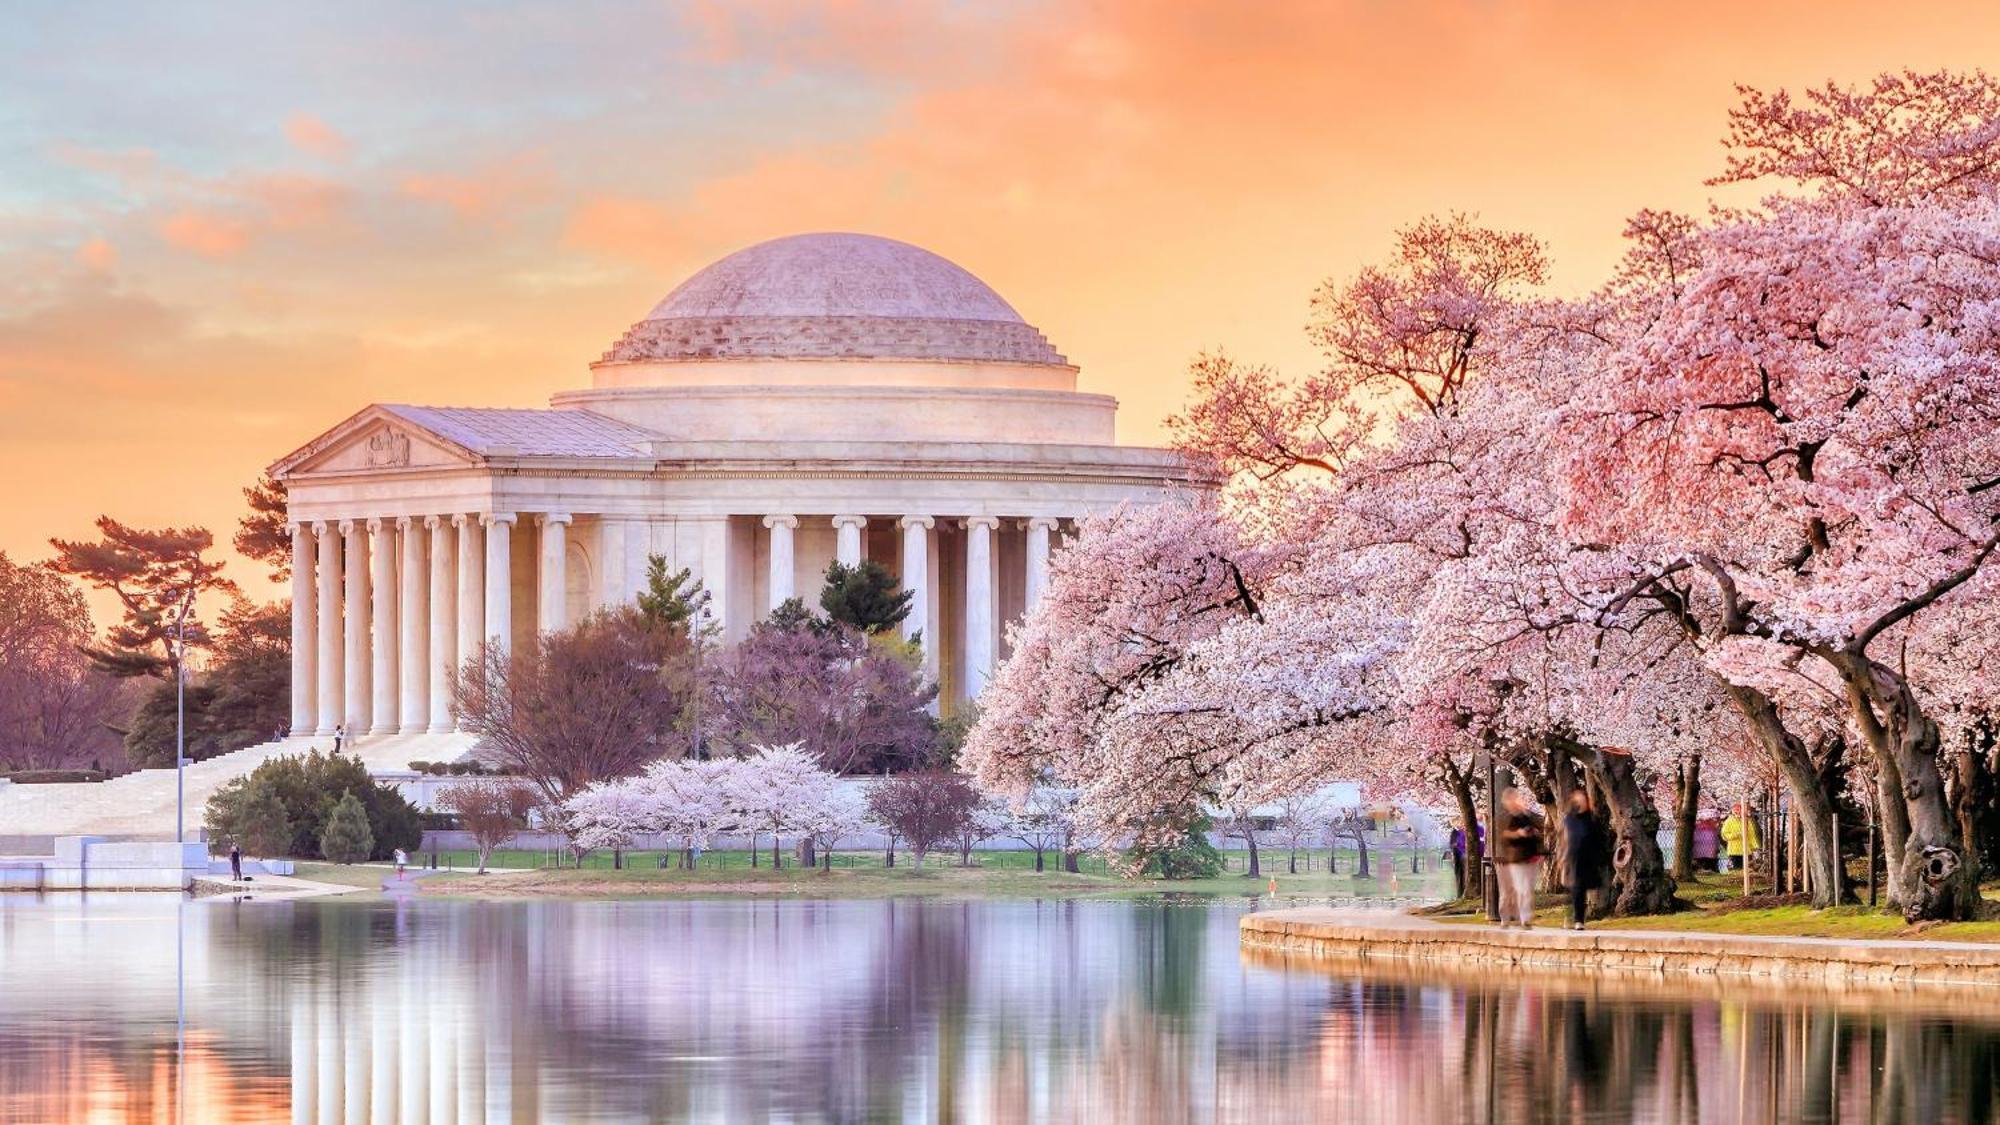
(500,579)
(847,539)
(304,644)
(638,556)
(471,587)
(551,604)
(980,641)
(917,580)
(354,611)
(383,640)
(444,623)
(782,565)
(328,660)
(412,614)
(714,571)
(611,576)
(1039,529)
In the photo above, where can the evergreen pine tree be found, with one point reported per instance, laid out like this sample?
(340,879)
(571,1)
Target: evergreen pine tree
(347,838)
(258,822)
(675,600)
(864,597)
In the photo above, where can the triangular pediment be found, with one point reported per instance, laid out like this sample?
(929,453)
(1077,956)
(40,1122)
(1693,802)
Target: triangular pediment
(374,441)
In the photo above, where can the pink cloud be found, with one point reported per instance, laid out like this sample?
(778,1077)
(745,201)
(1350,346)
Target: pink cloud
(315,137)
(206,234)
(97,256)
(484,194)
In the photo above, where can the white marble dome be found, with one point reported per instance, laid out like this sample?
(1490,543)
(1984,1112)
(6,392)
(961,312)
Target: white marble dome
(834,274)
(834,296)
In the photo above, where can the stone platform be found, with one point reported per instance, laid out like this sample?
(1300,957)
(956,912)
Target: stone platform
(1343,938)
(140,806)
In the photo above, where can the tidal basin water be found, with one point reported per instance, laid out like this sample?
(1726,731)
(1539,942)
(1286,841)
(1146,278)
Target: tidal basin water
(121,1008)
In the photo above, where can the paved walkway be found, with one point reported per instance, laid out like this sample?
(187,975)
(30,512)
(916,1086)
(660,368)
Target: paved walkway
(269,886)
(1359,935)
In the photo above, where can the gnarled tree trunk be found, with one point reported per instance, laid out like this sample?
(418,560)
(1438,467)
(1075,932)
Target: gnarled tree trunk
(1934,878)
(1640,885)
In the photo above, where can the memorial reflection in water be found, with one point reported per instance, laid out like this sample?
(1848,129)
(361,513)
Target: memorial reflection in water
(891,1010)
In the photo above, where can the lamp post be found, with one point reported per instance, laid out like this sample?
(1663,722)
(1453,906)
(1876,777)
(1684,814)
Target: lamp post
(180,714)
(180,728)
(1488,877)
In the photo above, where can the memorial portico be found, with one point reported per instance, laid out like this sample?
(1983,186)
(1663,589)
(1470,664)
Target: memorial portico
(815,399)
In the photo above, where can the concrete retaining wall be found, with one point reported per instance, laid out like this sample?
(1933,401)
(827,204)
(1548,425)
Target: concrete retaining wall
(1352,940)
(91,863)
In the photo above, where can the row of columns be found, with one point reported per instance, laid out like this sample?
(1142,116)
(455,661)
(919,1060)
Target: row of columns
(384,609)
(982,632)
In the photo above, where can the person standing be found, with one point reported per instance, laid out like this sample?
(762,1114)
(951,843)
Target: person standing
(1517,859)
(1707,842)
(402,861)
(235,863)
(339,736)
(1583,855)
(1458,859)
(1739,835)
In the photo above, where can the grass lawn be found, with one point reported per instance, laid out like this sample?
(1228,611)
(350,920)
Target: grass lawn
(856,875)
(1718,907)
(368,877)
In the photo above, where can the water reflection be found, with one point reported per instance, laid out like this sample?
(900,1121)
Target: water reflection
(894,1010)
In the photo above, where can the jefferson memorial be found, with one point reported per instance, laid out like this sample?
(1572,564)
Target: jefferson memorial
(814,398)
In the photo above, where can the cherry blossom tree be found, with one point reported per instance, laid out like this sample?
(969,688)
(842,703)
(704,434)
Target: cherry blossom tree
(775,789)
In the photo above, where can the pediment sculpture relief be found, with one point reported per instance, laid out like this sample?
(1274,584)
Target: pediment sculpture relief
(388,449)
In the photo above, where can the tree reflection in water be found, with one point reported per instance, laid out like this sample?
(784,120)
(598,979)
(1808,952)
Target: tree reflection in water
(918,1010)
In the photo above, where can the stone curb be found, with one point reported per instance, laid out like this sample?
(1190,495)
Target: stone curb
(1328,935)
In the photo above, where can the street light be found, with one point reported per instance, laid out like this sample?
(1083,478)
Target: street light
(180,715)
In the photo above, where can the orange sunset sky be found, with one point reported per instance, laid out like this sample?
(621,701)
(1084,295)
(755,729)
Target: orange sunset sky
(226,228)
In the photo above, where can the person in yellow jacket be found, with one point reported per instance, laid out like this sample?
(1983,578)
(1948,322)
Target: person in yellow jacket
(1739,834)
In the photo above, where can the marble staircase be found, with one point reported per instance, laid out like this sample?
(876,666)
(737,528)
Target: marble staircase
(141,805)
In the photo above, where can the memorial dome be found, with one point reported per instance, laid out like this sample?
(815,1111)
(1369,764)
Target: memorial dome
(834,296)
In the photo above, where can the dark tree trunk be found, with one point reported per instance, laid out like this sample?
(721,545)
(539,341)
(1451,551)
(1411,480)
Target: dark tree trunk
(1687,801)
(1250,839)
(777,857)
(1460,784)
(1641,885)
(1069,862)
(1936,878)
(617,859)
(1038,861)
(1292,861)
(1974,799)
(753,849)
(1815,808)
(1361,842)
(808,853)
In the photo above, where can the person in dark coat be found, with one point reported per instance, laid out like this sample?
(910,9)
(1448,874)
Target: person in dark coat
(236,863)
(1583,845)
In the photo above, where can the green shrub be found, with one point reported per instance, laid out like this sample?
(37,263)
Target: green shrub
(346,838)
(262,827)
(308,787)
